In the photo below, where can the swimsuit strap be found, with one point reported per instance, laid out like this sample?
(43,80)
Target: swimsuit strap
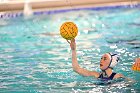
(109,78)
(112,76)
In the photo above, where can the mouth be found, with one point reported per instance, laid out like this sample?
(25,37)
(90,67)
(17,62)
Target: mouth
(101,65)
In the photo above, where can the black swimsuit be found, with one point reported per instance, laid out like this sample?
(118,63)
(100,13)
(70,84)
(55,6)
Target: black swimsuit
(106,78)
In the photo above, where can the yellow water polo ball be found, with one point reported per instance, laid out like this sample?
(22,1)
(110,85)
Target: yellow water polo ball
(68,30)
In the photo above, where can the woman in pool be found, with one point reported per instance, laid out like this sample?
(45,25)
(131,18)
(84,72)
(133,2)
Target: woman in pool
(107,62)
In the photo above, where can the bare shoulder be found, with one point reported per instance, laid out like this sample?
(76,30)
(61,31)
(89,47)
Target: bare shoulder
(122,76)
(118,76)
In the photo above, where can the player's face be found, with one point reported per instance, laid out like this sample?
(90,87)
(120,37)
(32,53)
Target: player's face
(104,62)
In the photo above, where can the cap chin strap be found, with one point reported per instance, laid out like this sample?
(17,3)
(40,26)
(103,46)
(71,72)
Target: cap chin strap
(106,69)
(104,72)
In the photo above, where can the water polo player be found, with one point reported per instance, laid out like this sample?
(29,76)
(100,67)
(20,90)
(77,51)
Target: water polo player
(107,63)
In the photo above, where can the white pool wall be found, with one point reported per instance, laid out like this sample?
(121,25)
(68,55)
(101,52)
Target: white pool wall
(18,5)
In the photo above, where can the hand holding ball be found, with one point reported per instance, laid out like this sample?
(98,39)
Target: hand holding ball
(68,30)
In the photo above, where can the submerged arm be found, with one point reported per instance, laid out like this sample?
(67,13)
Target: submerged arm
(126,78)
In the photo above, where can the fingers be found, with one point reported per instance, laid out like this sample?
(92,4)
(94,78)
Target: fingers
(68,41)
(73,40)
(137,60)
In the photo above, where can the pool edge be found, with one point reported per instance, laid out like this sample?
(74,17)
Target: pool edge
(62,4)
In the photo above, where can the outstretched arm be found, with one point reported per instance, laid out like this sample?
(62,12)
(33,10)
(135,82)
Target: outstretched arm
(75,64)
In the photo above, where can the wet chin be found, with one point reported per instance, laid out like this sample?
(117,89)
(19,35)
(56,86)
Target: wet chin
(103,67)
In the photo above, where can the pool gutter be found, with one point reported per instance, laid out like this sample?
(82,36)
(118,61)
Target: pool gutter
(61,4)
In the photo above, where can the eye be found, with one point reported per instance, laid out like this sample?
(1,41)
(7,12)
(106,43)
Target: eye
(105,58)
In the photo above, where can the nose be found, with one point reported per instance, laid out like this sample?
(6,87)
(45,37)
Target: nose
(101,61)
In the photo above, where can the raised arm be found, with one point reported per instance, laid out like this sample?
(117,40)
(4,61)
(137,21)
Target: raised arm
(75,64)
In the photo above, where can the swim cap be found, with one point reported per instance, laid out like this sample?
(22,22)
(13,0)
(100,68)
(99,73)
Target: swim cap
(114,58)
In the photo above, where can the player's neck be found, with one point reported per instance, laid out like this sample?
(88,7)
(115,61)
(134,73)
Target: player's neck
(108,71)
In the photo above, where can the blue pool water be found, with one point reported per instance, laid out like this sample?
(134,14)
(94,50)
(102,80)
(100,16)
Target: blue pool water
(34,58)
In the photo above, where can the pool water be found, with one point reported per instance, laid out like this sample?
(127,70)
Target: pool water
(34,58)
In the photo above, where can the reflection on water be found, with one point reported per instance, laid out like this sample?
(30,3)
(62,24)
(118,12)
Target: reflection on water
(35,58)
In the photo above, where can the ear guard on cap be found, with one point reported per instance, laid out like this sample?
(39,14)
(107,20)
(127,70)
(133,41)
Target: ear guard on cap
(114,60)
